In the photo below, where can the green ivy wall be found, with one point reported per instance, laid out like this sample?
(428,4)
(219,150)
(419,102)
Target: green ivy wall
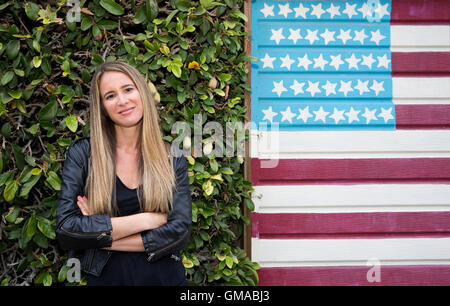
(192,51)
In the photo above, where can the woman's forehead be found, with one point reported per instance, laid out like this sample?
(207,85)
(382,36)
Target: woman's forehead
(114,79)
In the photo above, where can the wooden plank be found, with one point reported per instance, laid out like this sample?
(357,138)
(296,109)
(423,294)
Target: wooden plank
(350,225)
(350,252)
(420,64)
(420,12)
(354,144)
(351,198)
(344,171)
(423,38)
(425,275)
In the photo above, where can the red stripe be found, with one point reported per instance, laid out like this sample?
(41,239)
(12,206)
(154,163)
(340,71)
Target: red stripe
(350,225)
(358,170)
(420,12)
(420,63)
(424,116)
(419,275)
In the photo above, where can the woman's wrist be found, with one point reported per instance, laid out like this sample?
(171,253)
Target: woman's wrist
(154,220)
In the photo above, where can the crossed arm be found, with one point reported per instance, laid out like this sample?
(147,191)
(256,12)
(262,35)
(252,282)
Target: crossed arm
(126,230)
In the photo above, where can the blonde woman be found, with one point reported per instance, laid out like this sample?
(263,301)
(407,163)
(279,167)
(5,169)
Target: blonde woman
(125,208)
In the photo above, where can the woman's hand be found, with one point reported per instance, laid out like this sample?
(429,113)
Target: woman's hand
(83,205)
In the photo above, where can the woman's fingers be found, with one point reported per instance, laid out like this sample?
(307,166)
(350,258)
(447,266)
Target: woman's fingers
(83,205)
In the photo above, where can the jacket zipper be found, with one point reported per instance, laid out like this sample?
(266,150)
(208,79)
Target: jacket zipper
(103,234)
(166,247)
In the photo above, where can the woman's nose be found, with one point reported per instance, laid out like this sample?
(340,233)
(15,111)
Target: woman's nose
(121,99)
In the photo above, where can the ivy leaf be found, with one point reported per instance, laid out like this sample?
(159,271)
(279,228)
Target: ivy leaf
(28,185)
(72,123)
(239,14)
(7,77)
(112,7)
(12,49)
(54,180)
(45,227)
(48,112)
(13,214)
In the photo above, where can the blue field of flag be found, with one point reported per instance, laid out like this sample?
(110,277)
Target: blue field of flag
(322,64)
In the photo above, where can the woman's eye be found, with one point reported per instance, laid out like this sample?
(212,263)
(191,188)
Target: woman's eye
(129,89)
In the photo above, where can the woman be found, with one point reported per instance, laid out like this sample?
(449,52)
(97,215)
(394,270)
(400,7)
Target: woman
(135,217)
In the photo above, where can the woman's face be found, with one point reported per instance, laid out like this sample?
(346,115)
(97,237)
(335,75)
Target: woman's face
(121,98)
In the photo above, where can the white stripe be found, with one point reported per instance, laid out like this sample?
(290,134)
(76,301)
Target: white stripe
(350,144)
(427,38)
(421,90)
(351,198)
(350,252)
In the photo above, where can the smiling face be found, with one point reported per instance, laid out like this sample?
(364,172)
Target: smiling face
(121,99)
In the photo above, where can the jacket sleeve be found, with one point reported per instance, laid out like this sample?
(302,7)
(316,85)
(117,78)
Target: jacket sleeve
(175,234)
(75,231)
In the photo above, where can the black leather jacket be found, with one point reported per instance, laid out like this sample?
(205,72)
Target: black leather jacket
(84,236)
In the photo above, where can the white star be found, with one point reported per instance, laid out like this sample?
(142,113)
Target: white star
(311,36)
(287,62)
(277,35)
(304,114)
(382,10)
(362,87)
(304,61)
(287,115)
(317,10)
(344,36)
(365,10)
(330,88)
(353,62)
(350,10)
(337,115)
(269,114)
(346,87)
(267,10)
(295,35)
(320,62)
(284,10)
(328,36)
(333,10)
(278,88)
(368,61)
(301,11)
(386,114)
(320,114)
(383,61)
(297,87)
(313,88)
(360,36)
(268,61)
(369,115)
(352,115)
(376,37)
(377,87)
(336,61)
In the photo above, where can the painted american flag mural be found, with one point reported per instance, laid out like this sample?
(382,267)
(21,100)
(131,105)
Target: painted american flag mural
(351,101)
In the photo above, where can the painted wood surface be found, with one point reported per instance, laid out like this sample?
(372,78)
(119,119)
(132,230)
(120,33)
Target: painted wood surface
(361,166)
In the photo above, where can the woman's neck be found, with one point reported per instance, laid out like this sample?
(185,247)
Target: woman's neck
(127,138)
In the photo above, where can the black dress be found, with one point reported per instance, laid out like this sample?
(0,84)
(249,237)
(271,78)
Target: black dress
(132,268)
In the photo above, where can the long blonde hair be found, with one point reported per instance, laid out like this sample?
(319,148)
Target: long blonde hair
(155,161)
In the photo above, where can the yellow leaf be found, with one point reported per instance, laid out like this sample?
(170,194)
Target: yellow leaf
(217,177)
(187,263)
(221,257)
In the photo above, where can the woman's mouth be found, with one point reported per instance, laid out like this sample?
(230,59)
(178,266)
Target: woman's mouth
(127,111)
